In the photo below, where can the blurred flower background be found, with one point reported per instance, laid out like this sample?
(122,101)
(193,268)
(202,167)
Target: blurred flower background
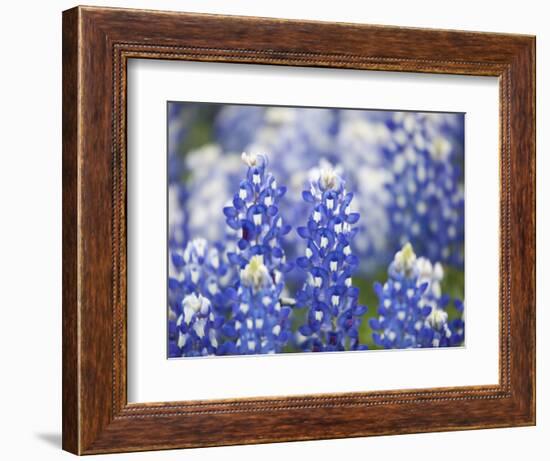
(340,229)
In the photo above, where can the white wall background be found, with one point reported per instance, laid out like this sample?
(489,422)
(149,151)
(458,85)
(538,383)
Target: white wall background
(30,227)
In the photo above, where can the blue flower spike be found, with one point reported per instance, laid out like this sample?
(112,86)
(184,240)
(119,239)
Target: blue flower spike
(260,319)
(412,312)
(197,298)
(333,313)
(427,193)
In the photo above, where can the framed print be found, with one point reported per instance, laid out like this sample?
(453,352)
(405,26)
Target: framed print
(282,230)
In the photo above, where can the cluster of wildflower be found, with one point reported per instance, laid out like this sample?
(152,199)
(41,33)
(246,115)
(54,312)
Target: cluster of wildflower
(197,298)
(292,135)
(259,321)
(412,310)
(427,197)
(231,299)
(405,170)
(228,289)
(295,137)
(333,312)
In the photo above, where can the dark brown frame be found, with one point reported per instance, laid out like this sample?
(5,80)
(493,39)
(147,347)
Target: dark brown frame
(97,43)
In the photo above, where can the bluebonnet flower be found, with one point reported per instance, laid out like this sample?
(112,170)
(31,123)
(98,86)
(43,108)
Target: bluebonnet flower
(195,329)
(405,174)
(295,139)
(197,298)
(333,312)
(359,142)
(260,321)
(405,170)
(427,195)
(212,178)
(412,310)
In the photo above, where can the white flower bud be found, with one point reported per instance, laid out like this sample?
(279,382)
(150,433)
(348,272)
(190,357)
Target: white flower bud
(249,159)
(193,304)
(437,318)
(255,274)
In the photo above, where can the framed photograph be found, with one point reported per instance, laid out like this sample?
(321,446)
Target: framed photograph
(284,230)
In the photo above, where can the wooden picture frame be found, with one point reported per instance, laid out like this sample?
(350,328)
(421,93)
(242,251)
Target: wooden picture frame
(97,43)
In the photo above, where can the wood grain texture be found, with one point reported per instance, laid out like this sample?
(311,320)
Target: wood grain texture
(97,43)
(70,384)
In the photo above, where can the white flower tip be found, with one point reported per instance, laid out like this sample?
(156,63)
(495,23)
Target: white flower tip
(440,149)
(255,273)
(405,259)
(324,177)
(249,159)
(328,176)
(437,318)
